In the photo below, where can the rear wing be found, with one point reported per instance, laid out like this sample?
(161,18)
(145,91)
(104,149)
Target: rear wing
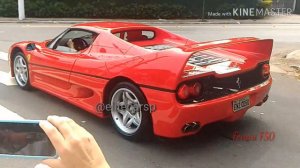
(224,57)
(262,47)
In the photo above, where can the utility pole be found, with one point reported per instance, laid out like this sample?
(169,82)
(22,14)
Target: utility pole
(203,10)
(21,9)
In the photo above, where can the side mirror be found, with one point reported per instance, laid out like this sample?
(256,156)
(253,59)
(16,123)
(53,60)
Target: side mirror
(30,47)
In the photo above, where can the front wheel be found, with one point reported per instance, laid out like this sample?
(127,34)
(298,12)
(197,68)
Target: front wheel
(21,71)
(129,112)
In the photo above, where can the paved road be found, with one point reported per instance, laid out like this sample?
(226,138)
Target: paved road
(212,148)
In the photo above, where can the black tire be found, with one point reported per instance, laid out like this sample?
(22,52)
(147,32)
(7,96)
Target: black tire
(25,85)
(145,130)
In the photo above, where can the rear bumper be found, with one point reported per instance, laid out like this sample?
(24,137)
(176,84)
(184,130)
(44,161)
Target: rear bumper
(170,116)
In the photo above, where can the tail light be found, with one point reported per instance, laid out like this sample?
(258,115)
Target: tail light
(186,91)
(195,89)
(265,70)
(183,92)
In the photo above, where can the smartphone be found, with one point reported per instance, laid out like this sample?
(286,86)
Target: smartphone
(25,138)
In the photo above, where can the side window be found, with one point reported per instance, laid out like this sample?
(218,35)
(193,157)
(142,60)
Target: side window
(74,41)
(118,35)
(149,34)
(136,35)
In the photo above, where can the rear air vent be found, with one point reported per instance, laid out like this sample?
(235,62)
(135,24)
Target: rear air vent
(201,59)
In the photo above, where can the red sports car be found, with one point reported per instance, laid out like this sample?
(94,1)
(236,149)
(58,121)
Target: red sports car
(146,78)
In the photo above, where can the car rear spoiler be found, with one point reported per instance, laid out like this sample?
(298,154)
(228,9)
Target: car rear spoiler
(244,53)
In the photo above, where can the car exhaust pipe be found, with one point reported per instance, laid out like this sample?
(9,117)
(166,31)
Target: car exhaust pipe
(190,127)
(264,100)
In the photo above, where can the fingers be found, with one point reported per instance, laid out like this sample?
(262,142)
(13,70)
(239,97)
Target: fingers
(72,143)
(52,163)
(80,135)
(69,129)
(62,124)
(78,129)
(74,126)
(42,166)
(53,134)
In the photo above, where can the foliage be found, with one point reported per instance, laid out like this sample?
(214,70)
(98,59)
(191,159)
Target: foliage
(8,8)
(265,3)
(141,9)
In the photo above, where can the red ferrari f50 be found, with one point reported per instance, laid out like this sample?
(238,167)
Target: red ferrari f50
(127,68)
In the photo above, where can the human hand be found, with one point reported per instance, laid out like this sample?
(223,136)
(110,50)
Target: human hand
(70,44)
(76,147)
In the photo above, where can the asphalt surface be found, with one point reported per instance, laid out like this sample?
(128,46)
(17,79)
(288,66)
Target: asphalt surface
(212,147)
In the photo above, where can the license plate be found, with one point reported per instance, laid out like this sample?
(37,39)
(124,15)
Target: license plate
(240,104)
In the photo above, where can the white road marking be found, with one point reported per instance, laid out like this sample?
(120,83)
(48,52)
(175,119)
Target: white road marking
(6,114)
(6,79)
(3,56)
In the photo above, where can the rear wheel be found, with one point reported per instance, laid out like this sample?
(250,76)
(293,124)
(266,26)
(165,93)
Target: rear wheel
(129,113)
(21,71)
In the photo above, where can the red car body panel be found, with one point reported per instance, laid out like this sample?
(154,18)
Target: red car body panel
(81,78)
(171,117)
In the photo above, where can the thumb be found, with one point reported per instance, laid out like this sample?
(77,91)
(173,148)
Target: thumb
(41,165)
(53,163)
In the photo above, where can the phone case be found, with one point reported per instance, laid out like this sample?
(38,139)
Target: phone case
(25,156)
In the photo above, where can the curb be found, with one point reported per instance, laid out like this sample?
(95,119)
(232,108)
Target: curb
(294,55)
(159,21)
(139,21)
(276,69)
(151,22)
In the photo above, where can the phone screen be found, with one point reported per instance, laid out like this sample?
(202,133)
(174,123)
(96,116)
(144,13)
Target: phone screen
(24,139)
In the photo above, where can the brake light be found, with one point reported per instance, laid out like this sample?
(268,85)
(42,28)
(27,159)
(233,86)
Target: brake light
(186,91)
(195,89)
(183,92)
(265,70)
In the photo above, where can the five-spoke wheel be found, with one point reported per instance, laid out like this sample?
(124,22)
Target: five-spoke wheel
(129,116)
(21,71)
(126,111)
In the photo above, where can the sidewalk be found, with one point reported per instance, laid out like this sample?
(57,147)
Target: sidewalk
(292,19)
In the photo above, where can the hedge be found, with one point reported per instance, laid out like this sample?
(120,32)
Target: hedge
(135,9)
(297,10)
